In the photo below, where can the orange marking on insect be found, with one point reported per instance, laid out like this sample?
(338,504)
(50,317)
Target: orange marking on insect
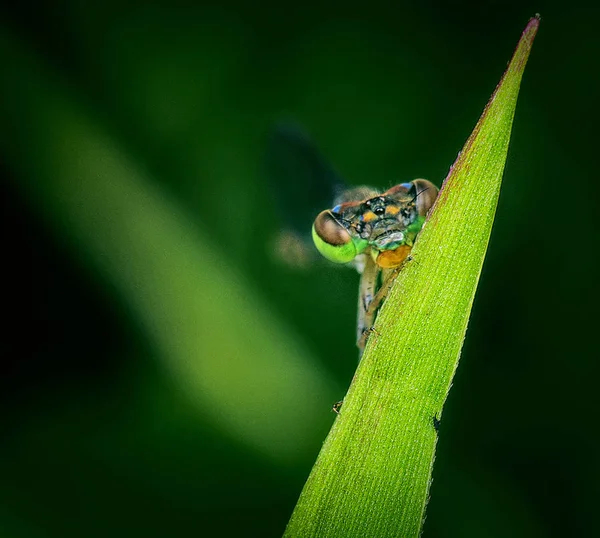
(393,258)
(369,216)
(392,210)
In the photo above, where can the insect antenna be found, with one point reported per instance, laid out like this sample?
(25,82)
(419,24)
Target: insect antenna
(420,192)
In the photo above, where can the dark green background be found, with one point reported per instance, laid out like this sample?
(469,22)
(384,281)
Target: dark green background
(97,439)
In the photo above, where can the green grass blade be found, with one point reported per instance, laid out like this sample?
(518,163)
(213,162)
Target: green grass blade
(372,476)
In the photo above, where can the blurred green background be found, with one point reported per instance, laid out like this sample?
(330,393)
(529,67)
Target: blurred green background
(164,374)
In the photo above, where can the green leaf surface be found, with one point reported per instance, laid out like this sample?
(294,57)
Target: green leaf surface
(373,474)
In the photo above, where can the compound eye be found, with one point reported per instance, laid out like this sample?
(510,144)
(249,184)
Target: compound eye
(425,194)
(333,240)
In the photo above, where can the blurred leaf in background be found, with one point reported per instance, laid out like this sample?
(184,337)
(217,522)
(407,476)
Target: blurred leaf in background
(162,374)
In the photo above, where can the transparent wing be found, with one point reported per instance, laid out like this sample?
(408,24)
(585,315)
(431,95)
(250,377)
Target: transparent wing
(303,183)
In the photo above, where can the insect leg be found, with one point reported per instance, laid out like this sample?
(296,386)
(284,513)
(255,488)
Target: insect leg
(368,317)
(367,292)
(383,291)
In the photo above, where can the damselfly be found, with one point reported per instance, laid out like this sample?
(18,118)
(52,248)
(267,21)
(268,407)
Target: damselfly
(373,231)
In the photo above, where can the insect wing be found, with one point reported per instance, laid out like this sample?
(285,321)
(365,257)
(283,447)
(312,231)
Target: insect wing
(302,183)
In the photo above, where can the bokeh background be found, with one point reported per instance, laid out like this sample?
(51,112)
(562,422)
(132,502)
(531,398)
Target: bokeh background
(164,373)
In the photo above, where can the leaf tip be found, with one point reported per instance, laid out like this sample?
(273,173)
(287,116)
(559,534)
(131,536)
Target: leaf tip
(523,49)
(532,27)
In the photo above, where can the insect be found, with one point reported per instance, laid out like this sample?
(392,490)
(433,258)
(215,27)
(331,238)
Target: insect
(337,406)
(375,232)
(371,230)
